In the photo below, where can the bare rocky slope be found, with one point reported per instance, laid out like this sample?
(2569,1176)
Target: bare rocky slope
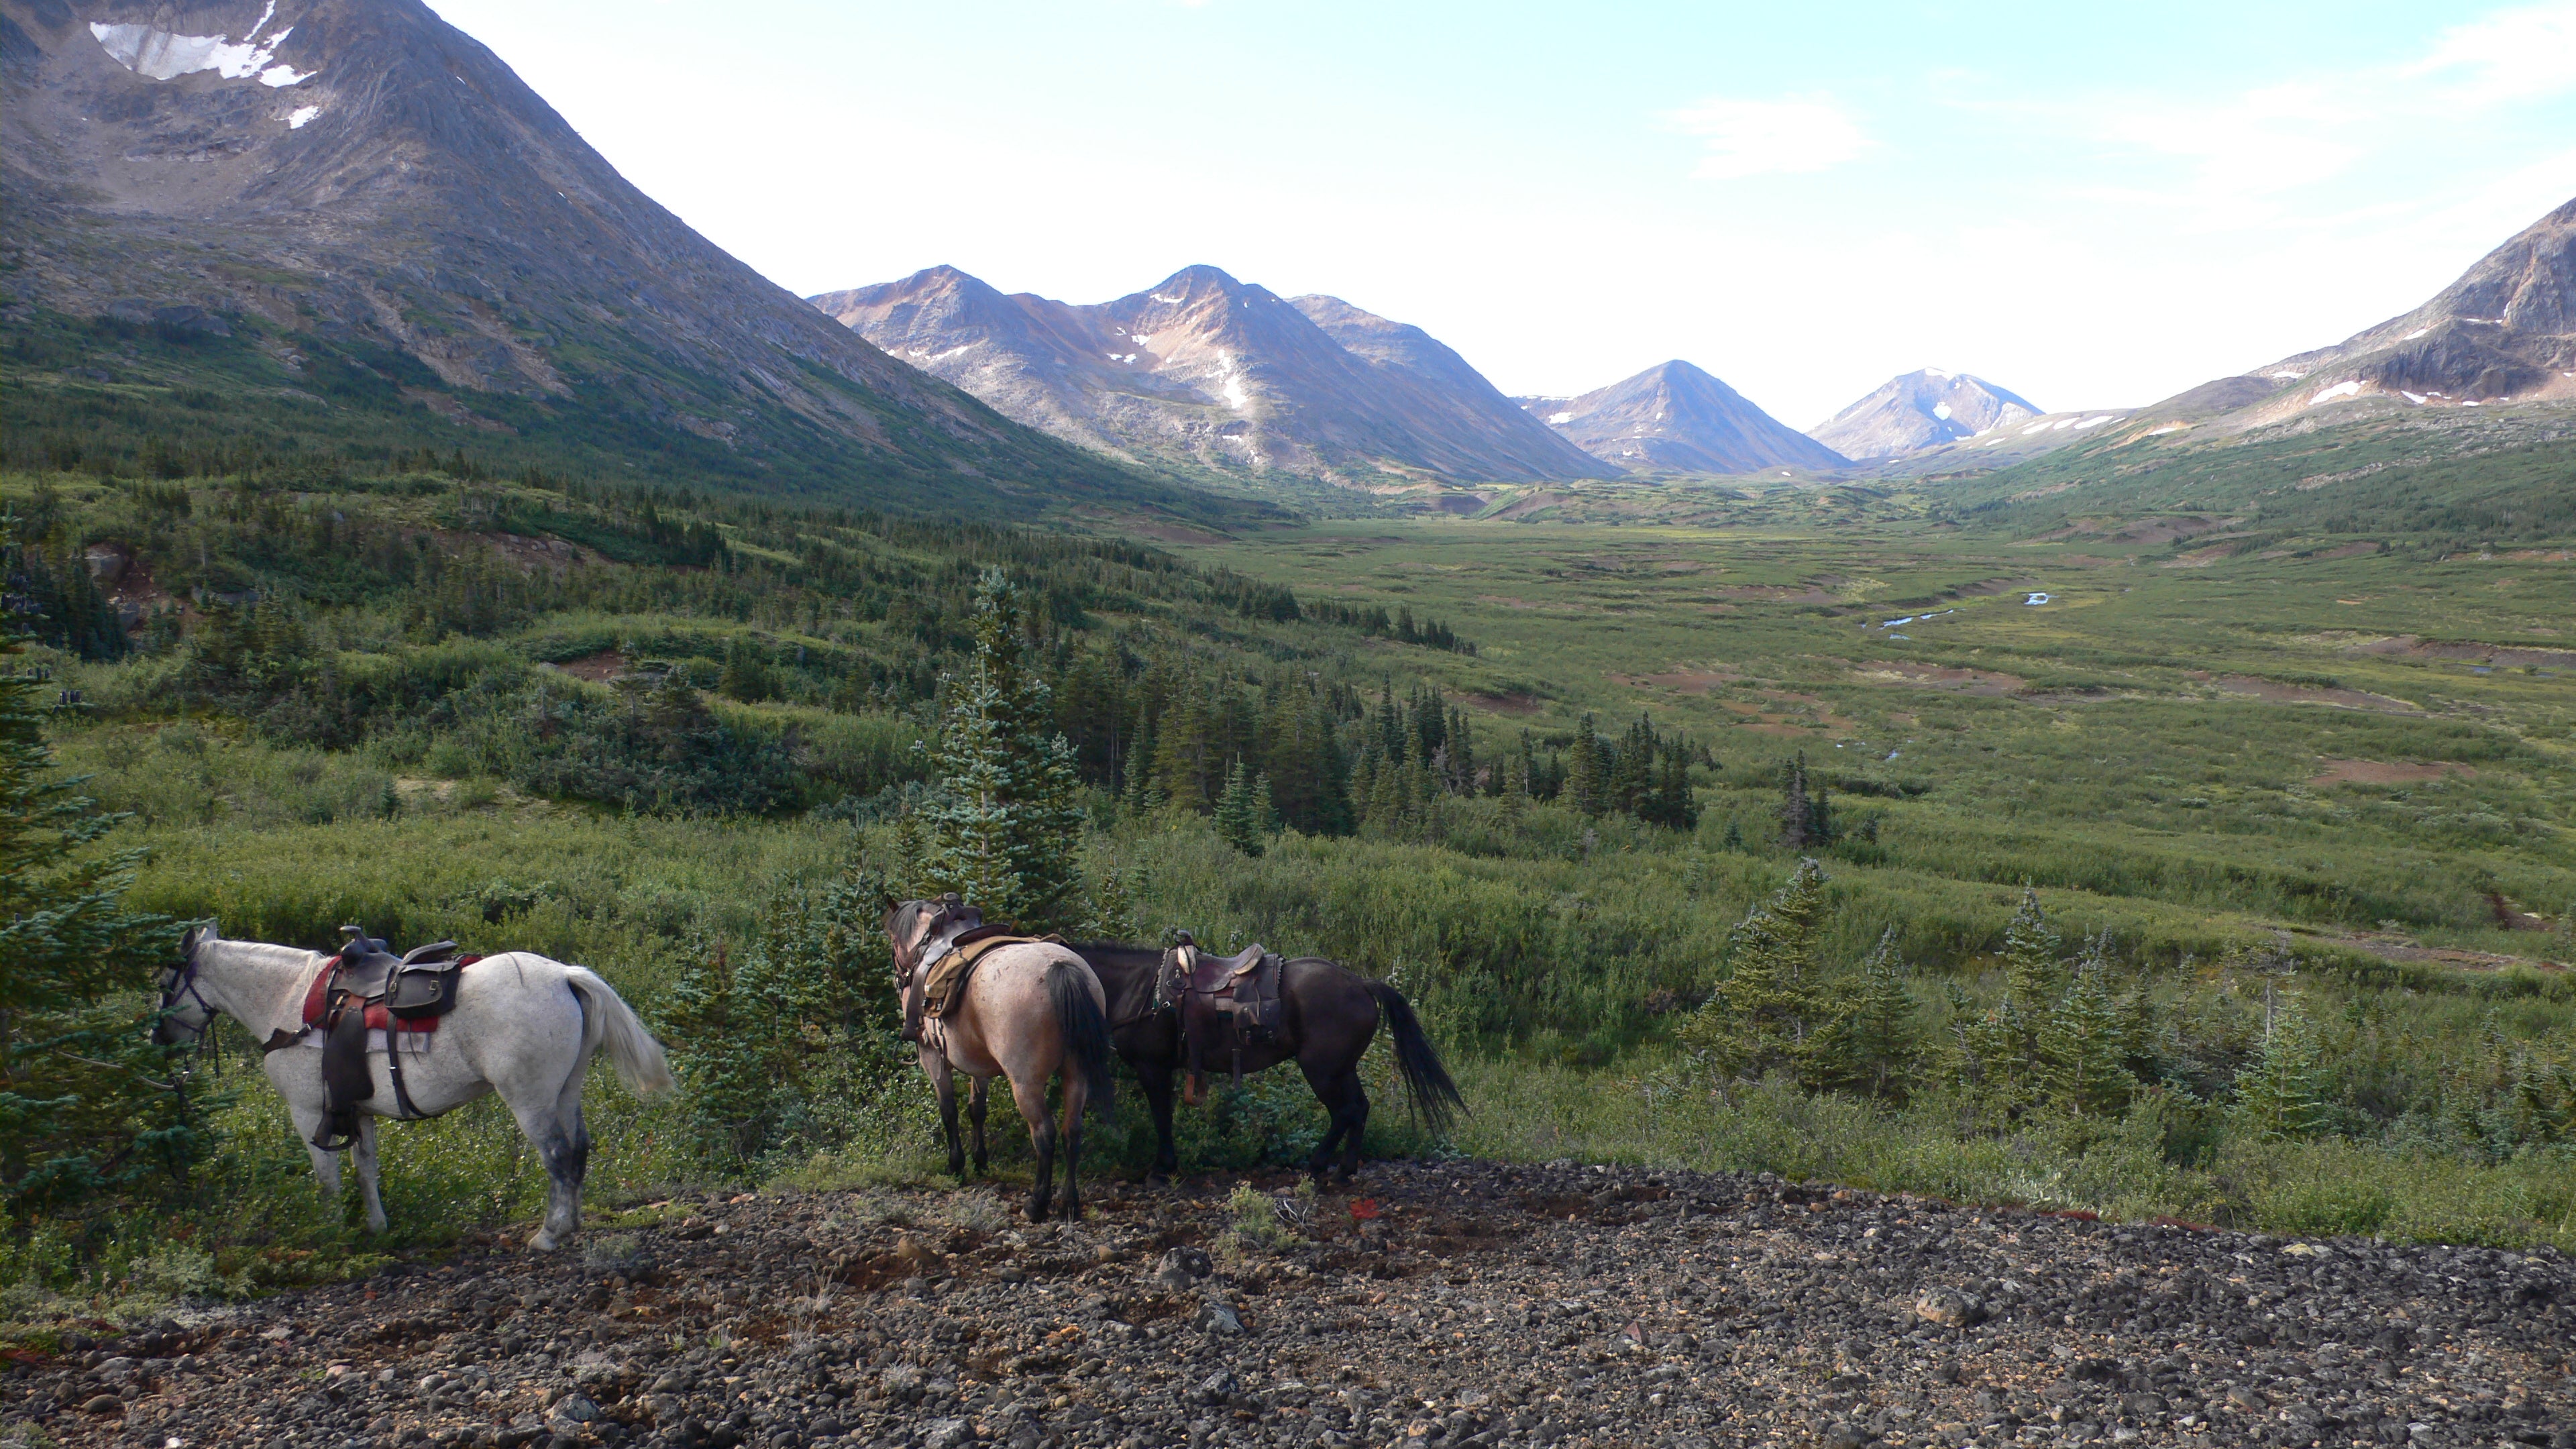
(1676,418)
(1464,1304)
(367,208)
(2505,332)
(1201,368)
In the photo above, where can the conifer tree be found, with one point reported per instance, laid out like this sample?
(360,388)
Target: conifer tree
(2081,1049)
(2035,974)
(2282,1093)
(1242,817)
(1758,1018)
(1868,1045)
(1586,771)
(87,1104)
(1797,813)
(1002,826)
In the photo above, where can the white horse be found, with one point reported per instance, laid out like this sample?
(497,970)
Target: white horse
(523,1026)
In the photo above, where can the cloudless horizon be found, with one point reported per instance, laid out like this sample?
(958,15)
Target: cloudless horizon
(2093,208)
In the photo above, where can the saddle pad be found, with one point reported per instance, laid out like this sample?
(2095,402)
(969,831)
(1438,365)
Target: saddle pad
(947,978)
(317,1002)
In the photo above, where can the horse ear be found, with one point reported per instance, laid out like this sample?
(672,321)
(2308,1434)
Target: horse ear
(195,936)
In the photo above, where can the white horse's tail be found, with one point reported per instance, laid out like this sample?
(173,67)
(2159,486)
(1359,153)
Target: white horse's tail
(609,1022)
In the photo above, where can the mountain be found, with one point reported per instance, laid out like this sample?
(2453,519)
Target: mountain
(2504,332)
(1201,368)
(1675,418)
(1923,409)
(358,225)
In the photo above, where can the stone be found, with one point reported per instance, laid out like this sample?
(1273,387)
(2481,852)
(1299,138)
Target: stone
(1947,1307)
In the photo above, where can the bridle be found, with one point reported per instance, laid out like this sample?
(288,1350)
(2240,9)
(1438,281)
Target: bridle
(184,983)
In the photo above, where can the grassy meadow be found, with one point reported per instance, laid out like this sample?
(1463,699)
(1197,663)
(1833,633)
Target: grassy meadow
(2332,770)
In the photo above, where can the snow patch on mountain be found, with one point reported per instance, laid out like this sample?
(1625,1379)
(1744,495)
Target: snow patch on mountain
(168,55)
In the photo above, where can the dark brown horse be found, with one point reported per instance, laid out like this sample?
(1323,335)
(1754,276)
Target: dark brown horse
(1328,1016)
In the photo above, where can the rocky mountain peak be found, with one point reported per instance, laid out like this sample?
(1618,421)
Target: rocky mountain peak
(1675,417)
(1206,369)
(1922,409)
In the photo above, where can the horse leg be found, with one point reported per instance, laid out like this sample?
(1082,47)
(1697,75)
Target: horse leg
(1076,1098)
(1156,1078)
(364,1155)
(1327,1087)
(943,1079)
(1030,1096)
(326,1165)
(976,1097)
(564,1148)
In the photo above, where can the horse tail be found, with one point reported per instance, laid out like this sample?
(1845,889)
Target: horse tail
(607,1021)
(1434,1095)
(1086,1030)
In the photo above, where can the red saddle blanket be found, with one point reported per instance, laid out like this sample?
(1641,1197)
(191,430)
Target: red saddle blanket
(317,1002)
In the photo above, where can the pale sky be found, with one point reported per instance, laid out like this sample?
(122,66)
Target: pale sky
(2091,205)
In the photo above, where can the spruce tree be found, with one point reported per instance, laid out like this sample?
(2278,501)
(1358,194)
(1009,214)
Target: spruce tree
(1587,771)
(1003,825)
(88,1106)
(2282,1093)
(1797,813)
(1241,818)
(1758,1018)
(2082,1051)
(1868,1045)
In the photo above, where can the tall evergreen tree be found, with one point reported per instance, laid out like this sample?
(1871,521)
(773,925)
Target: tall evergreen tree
(2283,1092)
(1002,826)
(1759,1017)
(1242,817)
(2082,1048)
(1797,812)
(1587,771)
(1868,1045)
(87,1104)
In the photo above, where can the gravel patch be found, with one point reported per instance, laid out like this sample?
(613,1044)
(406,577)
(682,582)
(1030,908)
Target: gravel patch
(1455,1304)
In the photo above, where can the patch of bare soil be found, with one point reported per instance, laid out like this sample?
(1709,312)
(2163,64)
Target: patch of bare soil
(2199,558)
(2384,772)
(598,668)
(1459,1304)
(2278,693)
(1923,676)
(1680,681)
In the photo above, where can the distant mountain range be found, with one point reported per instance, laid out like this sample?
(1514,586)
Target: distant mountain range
(1201,368)
(1675,418)
(352,203)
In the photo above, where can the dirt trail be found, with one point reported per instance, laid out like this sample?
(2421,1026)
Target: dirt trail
(1481,1304)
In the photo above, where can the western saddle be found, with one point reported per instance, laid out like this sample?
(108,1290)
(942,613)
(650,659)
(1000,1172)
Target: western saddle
(960,938)
(367,988)
(1225,1003)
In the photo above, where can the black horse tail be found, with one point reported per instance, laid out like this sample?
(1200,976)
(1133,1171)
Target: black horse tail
(1435,1097)
(1086,1032)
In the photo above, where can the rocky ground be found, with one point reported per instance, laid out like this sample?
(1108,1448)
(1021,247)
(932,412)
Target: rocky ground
(1462,1303)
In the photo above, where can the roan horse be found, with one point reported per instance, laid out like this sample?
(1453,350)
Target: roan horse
(1028,1012)
(1328,1016)
(523,1026)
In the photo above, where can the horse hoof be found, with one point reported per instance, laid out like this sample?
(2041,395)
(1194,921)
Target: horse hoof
(542,1243)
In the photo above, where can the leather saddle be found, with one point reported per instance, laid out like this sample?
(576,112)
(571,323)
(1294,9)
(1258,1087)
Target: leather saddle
(367,987)
(1225,1003)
